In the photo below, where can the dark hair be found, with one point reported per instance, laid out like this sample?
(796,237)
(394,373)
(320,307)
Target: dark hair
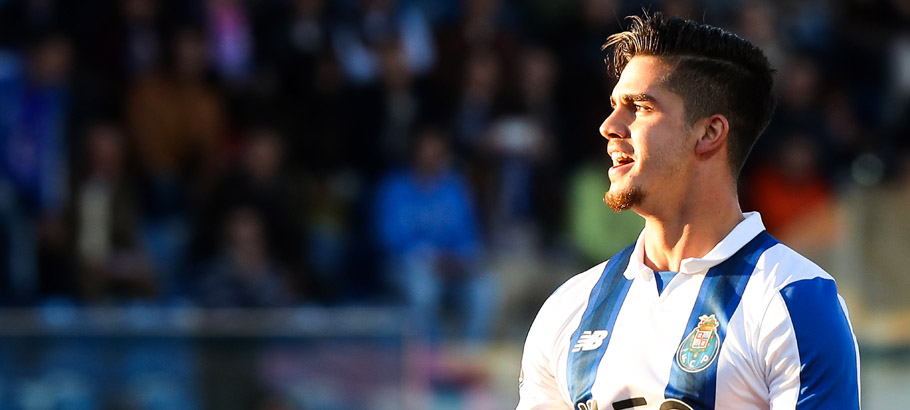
(713,70)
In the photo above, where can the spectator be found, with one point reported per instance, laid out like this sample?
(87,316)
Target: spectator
(794,197)
(293,44)
(488,25)
(259,182)
(34,108)
(111,258)
(428,230)
(341,265)
(595,230)
(485,30)
(521,145)
(243,272)
(176,119)
(26,19)
(116,43)
(230,39)
(480,93)
(142,35)
(357,40)
(389,111)
(798,109)
(176,116)
(584,91)
(292,36)
(757,21)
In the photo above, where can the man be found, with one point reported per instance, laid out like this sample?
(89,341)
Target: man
(705,310)
(428,230)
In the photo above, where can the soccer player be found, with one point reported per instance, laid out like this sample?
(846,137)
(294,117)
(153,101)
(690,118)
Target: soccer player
(705,310)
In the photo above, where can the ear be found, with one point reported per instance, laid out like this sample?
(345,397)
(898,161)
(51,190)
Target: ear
(713,132)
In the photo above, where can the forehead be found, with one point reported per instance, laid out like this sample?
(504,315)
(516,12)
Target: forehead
(643,74)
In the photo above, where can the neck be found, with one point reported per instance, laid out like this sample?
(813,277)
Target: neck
(689,230)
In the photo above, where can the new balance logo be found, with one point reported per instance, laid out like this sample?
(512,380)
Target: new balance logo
(590,340)
(590,404)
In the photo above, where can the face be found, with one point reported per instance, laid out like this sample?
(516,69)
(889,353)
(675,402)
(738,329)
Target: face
(431,153)
(647,137)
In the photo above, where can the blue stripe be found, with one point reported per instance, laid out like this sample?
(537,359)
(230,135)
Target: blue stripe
(720,294)
(827,353)
(603,307)
(662,279)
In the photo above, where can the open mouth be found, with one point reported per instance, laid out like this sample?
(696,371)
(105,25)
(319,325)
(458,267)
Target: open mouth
(621,159)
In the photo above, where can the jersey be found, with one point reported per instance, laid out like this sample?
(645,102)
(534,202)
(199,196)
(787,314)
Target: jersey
(751,325)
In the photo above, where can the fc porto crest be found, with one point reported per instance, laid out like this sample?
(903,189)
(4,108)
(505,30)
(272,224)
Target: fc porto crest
(698,350)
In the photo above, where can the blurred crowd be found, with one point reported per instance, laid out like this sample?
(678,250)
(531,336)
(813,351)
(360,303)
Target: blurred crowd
(261,153)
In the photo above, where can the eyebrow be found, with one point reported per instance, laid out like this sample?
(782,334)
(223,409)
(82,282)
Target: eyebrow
(627,98)
(637,97)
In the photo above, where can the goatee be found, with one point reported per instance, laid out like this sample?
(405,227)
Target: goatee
(625,199)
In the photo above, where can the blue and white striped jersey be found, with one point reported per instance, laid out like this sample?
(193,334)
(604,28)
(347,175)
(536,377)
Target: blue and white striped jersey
(751,325)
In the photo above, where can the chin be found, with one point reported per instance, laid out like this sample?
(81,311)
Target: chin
(622,199)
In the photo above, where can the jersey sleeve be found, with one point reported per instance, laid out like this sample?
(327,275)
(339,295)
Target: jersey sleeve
(809,351)
(538,388)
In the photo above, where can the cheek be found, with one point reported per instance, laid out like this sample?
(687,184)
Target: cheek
(664,150)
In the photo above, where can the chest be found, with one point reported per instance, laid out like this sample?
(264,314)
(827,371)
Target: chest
(675,345)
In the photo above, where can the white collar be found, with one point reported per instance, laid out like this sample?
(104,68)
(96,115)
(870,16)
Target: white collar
(741,234)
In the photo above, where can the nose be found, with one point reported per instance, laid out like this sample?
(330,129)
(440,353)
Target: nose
(614,126)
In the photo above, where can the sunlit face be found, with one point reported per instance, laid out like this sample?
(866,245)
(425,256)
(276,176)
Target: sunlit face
(648,138)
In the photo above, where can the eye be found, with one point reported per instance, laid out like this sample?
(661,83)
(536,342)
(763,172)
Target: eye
(640,107)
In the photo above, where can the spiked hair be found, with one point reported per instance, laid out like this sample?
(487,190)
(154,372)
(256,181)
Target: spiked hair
(713,70)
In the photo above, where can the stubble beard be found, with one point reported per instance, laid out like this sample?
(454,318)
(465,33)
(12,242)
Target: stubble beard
(624,199)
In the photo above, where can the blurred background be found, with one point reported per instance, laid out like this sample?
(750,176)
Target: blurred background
(326,204)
